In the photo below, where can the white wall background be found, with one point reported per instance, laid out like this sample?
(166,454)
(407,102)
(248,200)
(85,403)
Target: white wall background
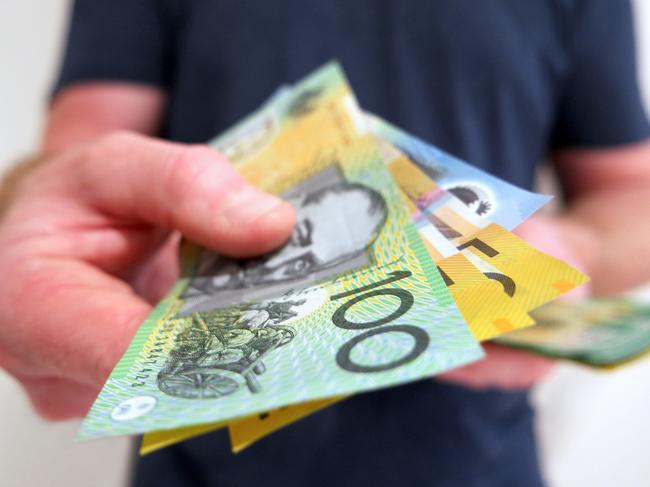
(593,427)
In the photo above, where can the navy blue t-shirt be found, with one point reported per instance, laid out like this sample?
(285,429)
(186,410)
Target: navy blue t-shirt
(500,83)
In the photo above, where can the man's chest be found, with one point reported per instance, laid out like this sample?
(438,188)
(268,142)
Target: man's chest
(445,69)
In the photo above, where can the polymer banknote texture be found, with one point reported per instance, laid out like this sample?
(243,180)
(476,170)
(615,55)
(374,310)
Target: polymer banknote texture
(320,317)
(448,223)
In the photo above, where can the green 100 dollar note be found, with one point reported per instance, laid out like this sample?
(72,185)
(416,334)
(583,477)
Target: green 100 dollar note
(351,303)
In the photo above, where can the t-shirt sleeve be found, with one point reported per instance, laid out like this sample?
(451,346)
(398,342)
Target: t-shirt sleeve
(600,103)
(117,40)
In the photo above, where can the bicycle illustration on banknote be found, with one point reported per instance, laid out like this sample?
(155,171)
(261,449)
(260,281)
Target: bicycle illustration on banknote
(220,352)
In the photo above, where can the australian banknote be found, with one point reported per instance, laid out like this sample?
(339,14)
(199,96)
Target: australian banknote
(491,301)
(598,332)
(313,320)
(495,298)
(487,297)
(495,277)
(488,196)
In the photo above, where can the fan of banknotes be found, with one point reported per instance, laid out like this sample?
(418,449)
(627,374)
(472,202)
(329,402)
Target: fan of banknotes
(402,261)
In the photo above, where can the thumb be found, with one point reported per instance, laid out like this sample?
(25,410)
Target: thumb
(193,189)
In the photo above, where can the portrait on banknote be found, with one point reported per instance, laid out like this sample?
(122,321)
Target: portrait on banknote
(326,205)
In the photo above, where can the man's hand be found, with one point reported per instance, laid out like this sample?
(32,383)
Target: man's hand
(502,368)
(87,229)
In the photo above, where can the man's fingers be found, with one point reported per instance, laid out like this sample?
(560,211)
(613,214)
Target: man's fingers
(502,368)
(59,399)
(76,320)
(192,189)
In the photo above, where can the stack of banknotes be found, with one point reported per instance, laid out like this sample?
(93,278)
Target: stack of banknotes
(401,263)
(601,333)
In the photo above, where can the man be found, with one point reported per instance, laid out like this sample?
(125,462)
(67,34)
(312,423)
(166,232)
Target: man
(89,236)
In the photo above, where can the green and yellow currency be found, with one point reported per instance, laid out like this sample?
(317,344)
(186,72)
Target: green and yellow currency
(300,124)
(492,305)
(319,318)
(481,294)
(492,298)
(602,333)
(484,298)
(304,125)
(480,316)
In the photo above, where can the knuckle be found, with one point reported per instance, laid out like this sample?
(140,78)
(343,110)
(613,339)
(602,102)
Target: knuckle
(107,147)
(89,164)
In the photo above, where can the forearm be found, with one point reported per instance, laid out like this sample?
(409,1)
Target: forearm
(83,112)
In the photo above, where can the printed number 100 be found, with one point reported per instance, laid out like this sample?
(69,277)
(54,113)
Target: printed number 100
(376,326)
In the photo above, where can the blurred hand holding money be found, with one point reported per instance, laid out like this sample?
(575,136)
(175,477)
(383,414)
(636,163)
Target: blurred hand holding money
(401,261)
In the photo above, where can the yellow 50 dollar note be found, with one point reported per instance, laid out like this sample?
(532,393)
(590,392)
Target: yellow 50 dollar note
(443,221)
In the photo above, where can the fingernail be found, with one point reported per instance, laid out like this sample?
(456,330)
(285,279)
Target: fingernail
(247,205)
